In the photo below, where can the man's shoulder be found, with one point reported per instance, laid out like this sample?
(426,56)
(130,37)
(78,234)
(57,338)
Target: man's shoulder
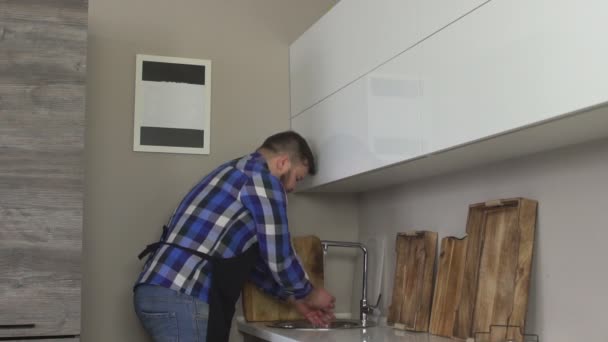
(252,164)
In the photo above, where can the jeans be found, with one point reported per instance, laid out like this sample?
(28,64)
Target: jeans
(170,316)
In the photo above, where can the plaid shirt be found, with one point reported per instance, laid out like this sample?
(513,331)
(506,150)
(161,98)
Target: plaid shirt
(235,206)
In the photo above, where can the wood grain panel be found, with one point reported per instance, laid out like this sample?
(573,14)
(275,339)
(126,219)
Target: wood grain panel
(527,227)
(64,12)
(497,267)
(41,118)
(67,339)
(41,225)
(260,307)
(43,165)
(43,288)
(25,192)
(464,312)
(42,104)
(448,286)
(413,284)
(39,52)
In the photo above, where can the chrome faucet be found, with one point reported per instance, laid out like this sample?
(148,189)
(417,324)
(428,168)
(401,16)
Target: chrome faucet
(364,308)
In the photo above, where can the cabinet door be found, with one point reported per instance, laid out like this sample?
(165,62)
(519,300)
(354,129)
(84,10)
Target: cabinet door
(437,14)
(513,63)
(335,129)
(353,38)
(42,90)
(373,122)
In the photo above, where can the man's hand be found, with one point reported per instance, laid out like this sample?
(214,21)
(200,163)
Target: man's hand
(317,307)
(319,298)
(318,317)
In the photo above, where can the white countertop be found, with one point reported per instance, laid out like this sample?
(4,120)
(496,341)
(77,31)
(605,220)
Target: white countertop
(375,334)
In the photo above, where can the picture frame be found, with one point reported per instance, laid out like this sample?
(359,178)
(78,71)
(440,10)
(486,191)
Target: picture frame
(172,105)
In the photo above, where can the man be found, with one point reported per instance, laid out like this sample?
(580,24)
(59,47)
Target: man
(230,227)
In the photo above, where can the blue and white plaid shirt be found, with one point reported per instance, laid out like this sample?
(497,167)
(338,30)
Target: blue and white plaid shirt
(238,204)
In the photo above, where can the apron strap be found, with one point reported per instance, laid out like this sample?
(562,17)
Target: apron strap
(151,248)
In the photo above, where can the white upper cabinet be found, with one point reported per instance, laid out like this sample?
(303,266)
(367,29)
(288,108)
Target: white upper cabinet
(437,14)
(357,36)
(511,64)
(373,122)
(353,38)
(441,85)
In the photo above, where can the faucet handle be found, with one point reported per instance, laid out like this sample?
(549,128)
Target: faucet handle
(374,309)
(377,302)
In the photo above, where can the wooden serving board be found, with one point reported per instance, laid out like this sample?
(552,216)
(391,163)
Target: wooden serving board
(497,267)
(448,285)
(413,285)
(260,307)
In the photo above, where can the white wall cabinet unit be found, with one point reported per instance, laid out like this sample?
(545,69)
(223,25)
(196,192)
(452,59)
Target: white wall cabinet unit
(436,14)
(508,79)
(511,64)
(42,103)
(357,36)
(374,122)
(354,37)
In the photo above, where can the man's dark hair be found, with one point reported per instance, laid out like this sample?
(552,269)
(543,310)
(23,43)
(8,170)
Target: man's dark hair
(293,144)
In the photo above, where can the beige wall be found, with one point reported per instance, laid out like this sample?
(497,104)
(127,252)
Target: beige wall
(130,195)
(568,297)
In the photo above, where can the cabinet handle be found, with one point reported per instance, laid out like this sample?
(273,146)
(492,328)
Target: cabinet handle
(17,326)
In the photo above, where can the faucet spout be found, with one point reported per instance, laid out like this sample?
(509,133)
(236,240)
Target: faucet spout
(364,308)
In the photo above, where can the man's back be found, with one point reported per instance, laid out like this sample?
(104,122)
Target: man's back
(235,206)
(230,227)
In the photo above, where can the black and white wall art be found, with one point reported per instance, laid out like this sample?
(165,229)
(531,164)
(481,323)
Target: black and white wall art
(172,105)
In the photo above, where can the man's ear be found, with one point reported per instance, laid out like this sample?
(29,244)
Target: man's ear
(283,163)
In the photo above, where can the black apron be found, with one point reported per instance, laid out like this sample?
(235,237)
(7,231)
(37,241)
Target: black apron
(229,276)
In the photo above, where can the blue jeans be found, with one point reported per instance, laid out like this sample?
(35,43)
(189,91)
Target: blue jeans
(171,316)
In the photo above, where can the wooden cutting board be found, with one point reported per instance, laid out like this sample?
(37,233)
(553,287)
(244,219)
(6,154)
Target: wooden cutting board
(260,307)
(448,285)
(497,266)
(413,285)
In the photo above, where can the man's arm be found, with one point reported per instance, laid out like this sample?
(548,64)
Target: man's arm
(260,277)
(265,199)
(317,307)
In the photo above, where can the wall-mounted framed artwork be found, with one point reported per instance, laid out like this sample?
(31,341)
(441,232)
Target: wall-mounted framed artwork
(172,105)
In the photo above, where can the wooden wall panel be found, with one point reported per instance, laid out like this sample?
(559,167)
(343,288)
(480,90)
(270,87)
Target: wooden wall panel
(42,113)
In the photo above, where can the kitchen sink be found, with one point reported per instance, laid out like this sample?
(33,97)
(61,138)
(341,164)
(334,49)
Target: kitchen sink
(337,324)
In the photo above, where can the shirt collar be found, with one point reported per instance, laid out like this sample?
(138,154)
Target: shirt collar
(257,157)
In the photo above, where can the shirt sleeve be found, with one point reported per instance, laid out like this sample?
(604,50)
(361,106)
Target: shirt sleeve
(261,277)
(264,197)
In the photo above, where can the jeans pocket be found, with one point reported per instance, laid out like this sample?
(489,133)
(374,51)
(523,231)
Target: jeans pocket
(162,326)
